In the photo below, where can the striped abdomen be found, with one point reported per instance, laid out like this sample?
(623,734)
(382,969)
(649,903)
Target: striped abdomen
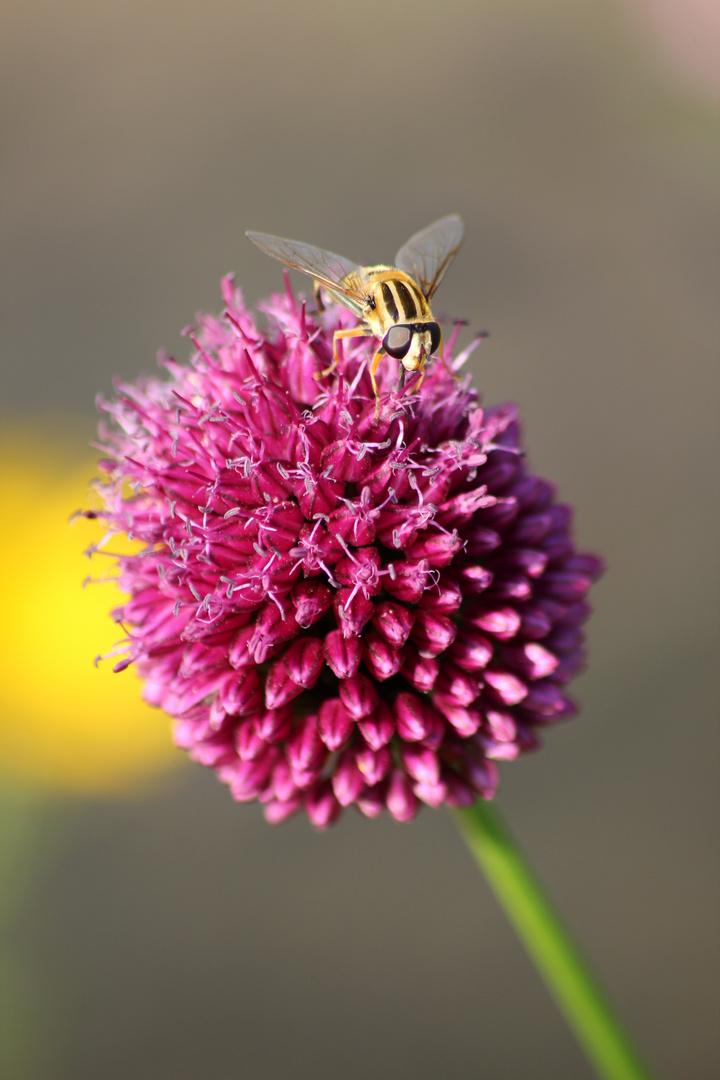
(398,299)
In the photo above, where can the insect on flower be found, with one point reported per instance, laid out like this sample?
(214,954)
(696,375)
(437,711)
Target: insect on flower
(393,302)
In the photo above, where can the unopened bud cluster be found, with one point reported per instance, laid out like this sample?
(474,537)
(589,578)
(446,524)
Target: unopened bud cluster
(337,609)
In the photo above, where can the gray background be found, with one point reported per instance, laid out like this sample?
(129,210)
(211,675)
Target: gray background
(178,936)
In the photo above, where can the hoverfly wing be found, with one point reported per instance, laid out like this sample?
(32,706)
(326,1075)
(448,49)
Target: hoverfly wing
(427,254)
(324,266)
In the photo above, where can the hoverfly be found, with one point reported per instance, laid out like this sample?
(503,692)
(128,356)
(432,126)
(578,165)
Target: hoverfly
(392,302)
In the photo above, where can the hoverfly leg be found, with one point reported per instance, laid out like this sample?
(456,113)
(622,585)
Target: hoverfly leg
(419,383)
(318,296)
(354,331)
(401,378)
(373,368)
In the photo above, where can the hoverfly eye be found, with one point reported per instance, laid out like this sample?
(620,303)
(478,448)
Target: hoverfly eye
(435,337)
(397,341)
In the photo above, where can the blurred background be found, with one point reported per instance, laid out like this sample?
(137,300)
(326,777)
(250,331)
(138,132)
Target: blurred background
(151,927)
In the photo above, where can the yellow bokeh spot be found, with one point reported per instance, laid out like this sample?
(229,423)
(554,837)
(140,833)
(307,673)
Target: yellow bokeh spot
(64,723)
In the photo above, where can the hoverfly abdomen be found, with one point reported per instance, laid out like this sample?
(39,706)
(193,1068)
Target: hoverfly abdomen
(398,297)
(389,301)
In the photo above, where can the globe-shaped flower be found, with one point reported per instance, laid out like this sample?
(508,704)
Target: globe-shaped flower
(336,608)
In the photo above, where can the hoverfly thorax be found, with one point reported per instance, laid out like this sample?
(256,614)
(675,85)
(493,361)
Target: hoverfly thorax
(392,303)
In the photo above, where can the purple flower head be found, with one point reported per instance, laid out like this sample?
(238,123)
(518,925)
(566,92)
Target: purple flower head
(338,609)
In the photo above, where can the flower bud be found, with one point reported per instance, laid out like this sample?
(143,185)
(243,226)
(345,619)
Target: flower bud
(533,493)
(545,698)
(381,659)
(347,780)
(317,496)
(372,801)
(474,579)
(532,660)
(461,508)
(304,660)
(509,586)
(343,654)
(276,812)
(566,585)
(273,627)
(500,725)
(420,671)
(316,548)
(304,748)
(461,687)
(335,723)
(250,777)
(504,686)
(407,580)
(500,622)
(361,571)
(214,751)
(379,727)
(401,800)
(432,794)
(193,692)
(282,785)
(374,765)
(321,805)
(351,527)
(358,695)
(307,779)
(465,721)
(432,633)
(280,688)
(413,722)
(394,622)
(201,658)
(526,560)
(439,549)
(530,529)
(444,598)
(239,653)
(501,515)
(536,622)
(471,651)
(273,725)
(497,750)
(241,694)
(436,728)
(311,599)
(188,732)
(480,541)
(352,612)
(422,764)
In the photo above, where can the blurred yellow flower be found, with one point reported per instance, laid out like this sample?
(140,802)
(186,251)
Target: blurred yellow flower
(64,723)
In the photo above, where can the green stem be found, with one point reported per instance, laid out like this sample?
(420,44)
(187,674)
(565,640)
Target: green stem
(585,1007)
